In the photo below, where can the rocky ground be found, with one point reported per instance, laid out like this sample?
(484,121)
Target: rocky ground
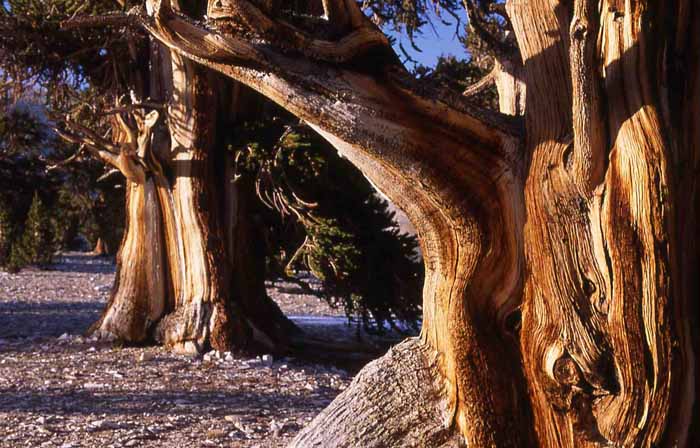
(58,389)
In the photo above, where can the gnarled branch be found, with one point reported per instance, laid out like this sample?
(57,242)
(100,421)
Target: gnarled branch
(362,37)
(452,167)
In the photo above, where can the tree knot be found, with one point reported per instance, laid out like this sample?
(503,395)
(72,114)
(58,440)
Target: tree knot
(566,372)
(579,29)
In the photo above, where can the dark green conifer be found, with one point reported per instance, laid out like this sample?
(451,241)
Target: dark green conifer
(36,245)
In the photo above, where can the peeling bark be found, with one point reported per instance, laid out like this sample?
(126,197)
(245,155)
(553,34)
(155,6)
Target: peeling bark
(138,295)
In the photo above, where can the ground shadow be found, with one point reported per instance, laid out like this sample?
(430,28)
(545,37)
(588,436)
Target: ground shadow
(67,402)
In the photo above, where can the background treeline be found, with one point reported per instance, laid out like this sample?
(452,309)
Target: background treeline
(45,207)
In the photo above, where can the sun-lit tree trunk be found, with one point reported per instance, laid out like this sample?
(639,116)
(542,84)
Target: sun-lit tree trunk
(582,215)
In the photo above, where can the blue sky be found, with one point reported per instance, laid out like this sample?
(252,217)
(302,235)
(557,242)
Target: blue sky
(434,41)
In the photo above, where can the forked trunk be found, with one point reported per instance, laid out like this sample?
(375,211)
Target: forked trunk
(176,280)
(585,219)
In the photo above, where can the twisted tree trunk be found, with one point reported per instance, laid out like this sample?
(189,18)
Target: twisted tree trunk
(182,277)
(584,218)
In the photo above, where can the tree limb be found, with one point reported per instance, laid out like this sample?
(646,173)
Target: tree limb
(70,159)
(131,108)
(97,21)
(358,41)
(254,64)
(125,160)
(588,156)
(86,143)
(481,85)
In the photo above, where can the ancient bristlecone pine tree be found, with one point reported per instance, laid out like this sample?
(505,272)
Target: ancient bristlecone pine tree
(577,208)
(186,273)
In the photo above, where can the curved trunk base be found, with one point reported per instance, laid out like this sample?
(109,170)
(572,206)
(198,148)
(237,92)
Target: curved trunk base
(396,400)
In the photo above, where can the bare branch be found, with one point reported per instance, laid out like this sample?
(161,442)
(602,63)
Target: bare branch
(481,85)
(112,20)
(69,159)
(131,108)
(124,159)
(89,137)
(88,144)
(362,38)
(108,174)
(288,268)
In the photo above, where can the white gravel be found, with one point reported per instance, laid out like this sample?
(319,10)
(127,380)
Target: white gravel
(58,389)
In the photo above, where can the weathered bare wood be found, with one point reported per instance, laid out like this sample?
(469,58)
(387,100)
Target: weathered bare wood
(590,139)
(359,40)
(138,295)
(410,410)
(597,325)
(196,300)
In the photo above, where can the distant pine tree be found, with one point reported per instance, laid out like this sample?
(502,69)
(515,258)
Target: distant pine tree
(36,245)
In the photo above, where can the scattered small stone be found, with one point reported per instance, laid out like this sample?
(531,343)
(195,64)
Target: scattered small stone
(276,427)
(103,425)
(69,391)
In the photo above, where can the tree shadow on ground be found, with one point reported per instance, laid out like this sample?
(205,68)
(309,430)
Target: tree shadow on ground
(19,319)
(85,263)
(66,402)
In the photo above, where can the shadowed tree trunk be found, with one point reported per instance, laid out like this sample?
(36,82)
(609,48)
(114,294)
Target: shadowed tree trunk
(583,215)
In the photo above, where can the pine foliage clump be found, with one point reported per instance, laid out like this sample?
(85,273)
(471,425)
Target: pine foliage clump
(36,245)
(330,221)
